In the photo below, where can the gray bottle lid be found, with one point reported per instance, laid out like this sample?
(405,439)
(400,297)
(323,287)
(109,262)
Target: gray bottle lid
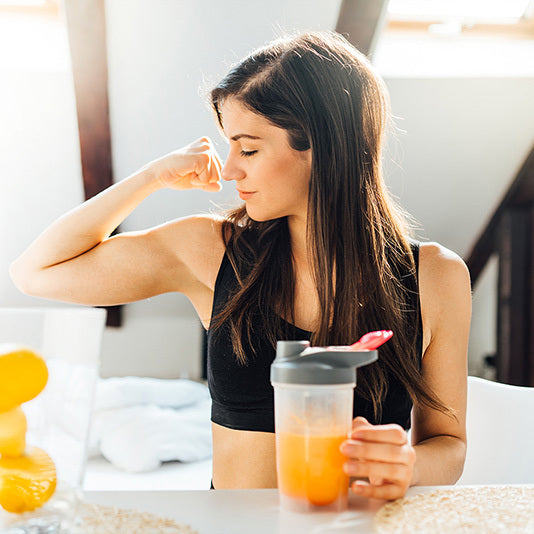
(298,363)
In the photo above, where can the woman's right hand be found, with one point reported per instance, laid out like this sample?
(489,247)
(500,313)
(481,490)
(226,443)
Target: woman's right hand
(195,166)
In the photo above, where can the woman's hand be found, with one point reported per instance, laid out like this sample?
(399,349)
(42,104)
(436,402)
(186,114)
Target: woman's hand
(381,454)
(195,166)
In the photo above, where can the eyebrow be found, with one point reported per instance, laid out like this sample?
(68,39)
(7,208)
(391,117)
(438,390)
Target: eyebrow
(246,136)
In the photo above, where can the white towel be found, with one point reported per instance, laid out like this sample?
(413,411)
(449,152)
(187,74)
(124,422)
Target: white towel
(149,421)
(119,392)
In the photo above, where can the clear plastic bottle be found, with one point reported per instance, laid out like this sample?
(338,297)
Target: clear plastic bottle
(313,390)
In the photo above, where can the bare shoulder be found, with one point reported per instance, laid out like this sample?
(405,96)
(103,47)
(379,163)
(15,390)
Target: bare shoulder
(444,284)
(437,261)
(194,241)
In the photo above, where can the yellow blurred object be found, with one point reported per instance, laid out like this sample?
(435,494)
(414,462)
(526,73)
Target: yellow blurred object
(26,482)
(13,428)
(27,474)
(23,375)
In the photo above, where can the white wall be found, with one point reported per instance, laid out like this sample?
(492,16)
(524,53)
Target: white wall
(465,137)
(39,150)
(464,141)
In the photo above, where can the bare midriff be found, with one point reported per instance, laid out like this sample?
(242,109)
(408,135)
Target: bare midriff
(243,459)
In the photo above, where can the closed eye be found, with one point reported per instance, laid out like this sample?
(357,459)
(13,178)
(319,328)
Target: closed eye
(246,154)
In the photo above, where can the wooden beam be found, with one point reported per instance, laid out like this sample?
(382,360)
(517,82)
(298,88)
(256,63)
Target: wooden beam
(515,297)
(530,296)
(361,22)
(520,193)
(484,247)
(525,187)
(86,27)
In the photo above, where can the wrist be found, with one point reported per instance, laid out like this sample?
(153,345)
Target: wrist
(147,179)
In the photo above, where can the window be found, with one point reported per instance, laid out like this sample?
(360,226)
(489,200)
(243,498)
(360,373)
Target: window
(509,17)
(46,7)
(34,33)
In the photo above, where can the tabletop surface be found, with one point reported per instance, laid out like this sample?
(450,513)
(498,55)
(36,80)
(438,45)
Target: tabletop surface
(244,511)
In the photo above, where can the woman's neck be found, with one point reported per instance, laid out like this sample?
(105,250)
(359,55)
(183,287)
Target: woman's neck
(299,244)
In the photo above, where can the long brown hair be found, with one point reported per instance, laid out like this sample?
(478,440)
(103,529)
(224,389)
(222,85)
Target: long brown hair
(325,94)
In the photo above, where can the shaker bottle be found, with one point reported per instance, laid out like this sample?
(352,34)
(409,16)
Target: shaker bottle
(313,401)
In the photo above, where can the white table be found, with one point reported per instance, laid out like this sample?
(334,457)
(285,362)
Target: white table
(170,476)
(244,511)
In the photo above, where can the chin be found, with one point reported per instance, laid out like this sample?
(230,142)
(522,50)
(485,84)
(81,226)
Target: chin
(259,216)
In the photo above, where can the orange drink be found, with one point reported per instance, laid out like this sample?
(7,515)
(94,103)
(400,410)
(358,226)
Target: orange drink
(310,468)
(313,410)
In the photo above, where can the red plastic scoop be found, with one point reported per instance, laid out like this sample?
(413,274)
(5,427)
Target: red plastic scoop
(372,340)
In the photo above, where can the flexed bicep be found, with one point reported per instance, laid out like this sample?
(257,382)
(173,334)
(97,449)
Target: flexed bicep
(75,260)
(177,256)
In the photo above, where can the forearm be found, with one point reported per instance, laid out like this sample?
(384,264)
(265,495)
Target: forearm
(85,226)
(439,461)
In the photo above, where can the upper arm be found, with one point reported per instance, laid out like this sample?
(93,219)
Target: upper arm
(182,255)
(445,294)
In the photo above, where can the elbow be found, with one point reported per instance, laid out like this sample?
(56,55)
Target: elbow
(22,278)
(439,460)
(458,453)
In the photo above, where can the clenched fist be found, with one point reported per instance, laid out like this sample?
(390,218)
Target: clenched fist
(195,166)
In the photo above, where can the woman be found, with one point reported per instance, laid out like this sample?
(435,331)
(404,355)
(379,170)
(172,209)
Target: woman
(318,251)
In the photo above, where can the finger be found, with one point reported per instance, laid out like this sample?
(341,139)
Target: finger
(201,144)
(380,433)
(204,177)
(388,492)
(216,167)
(206,140)
(215,156)
(206,165)
(377,472)
(216,161)
(196,181)
(217,164)
(202,166)
(377,452)
(360,422)
(212,187)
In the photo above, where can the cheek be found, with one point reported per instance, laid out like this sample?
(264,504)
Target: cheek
(294,171)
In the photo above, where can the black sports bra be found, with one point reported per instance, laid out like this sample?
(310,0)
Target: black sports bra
(242,395)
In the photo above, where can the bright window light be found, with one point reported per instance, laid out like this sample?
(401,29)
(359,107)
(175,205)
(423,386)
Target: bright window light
(465,11)
(24,3)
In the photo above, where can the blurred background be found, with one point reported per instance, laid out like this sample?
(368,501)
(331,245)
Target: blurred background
(93,90)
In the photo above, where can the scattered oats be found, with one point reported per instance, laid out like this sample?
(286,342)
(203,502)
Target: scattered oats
(463,510)
(97,519)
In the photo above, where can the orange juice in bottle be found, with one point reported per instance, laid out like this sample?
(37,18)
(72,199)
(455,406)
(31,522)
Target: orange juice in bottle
(311,468)
(313,401)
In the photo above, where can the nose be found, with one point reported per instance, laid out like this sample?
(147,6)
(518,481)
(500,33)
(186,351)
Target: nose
(232,170)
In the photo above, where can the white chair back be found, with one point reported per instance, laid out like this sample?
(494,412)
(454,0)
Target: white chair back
(500,434)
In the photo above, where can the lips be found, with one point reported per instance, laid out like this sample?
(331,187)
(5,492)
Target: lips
(245,195)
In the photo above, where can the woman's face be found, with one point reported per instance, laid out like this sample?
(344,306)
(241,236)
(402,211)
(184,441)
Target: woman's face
(271,177)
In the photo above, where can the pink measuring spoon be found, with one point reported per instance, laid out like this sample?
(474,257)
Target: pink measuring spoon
(372,340)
